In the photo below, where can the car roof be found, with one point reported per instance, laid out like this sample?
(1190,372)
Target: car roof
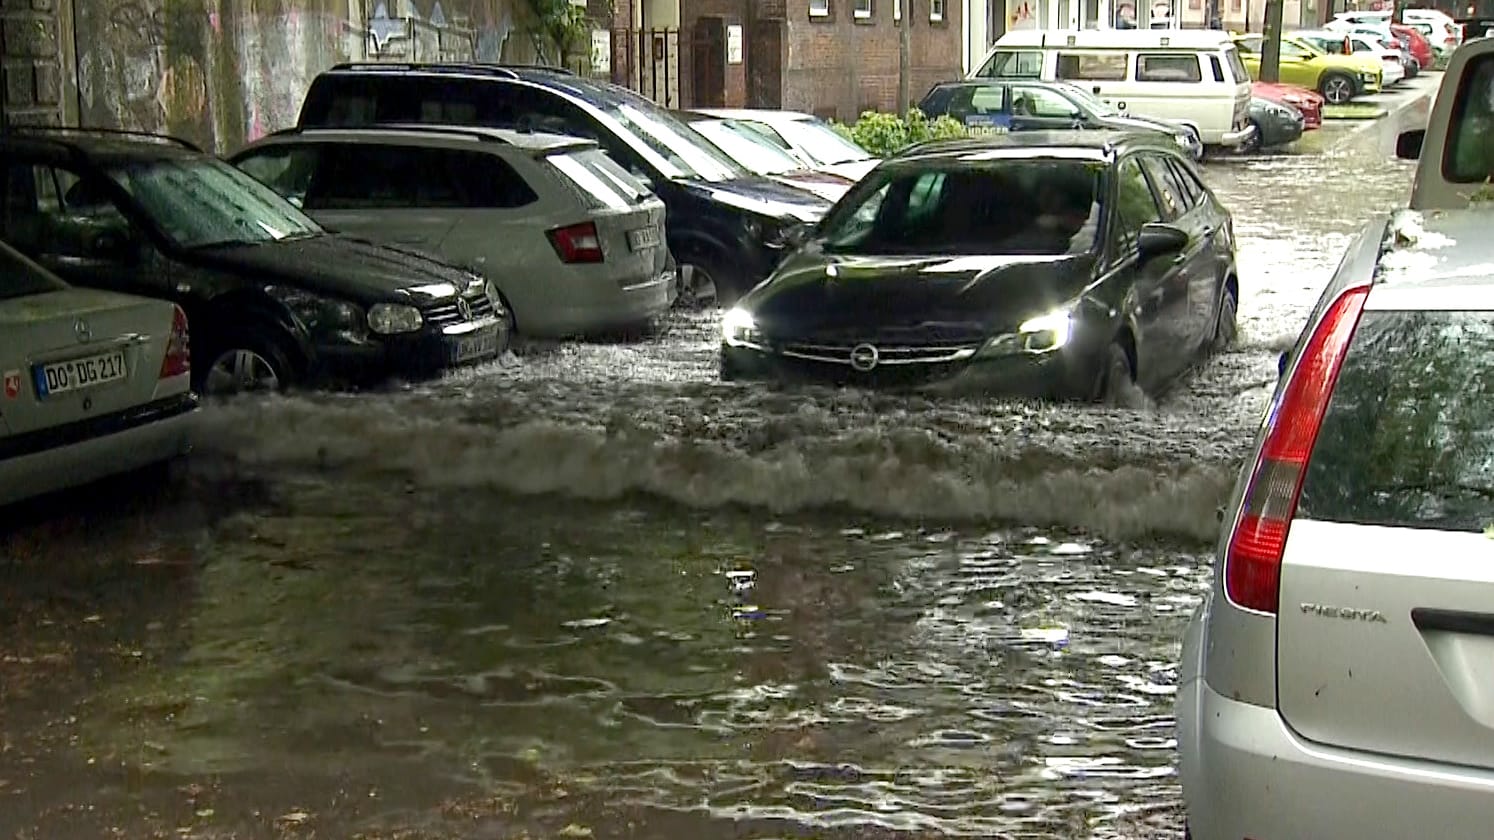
(554,78)
(100,145)
(1448,248)
(1182,39)
(1084,145)
(527,141)
(758,114)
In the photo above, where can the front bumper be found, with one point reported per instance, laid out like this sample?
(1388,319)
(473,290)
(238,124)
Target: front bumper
(1246,774)
(1058,375)
(79,453)
(1238,137)
(420,355)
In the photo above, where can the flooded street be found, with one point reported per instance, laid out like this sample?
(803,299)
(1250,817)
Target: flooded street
(593,592)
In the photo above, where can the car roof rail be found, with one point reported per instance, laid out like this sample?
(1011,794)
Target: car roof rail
(104,132)
(506,71)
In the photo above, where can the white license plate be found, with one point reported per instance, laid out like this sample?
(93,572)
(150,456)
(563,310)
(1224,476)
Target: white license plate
(77,374)
(643,238)
(475,346)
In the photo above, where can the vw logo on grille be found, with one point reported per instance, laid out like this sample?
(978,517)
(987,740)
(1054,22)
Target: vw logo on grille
(864,357)
(82,331)
(464,309)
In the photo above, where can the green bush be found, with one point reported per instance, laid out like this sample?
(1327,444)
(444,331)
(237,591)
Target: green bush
(885,135)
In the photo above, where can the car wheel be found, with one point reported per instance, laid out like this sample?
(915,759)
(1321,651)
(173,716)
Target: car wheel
(1117,379)
(1256,142)
(706,285)
(1227,326)
(1337,88)
(246,364)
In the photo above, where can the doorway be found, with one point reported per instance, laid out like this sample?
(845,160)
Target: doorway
(708,63)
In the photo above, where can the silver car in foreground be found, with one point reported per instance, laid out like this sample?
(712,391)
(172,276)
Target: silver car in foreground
(92,383)
(1338,681)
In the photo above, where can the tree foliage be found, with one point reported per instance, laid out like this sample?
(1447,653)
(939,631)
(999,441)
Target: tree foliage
(561,30)
(887,134)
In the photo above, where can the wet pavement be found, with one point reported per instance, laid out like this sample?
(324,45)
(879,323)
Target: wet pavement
(593,592)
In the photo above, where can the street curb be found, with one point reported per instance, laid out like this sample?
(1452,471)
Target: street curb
(1369,137)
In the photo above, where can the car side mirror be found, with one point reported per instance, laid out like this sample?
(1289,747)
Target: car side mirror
(1158,239)
(1408,144)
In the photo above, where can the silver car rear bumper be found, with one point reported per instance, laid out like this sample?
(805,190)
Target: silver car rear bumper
(1246,774)
(107,446)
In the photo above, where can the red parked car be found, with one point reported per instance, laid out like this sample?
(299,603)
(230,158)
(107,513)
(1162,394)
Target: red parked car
(1421,48)
(1309,102)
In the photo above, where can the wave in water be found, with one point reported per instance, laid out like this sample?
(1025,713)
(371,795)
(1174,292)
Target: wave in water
(900,472)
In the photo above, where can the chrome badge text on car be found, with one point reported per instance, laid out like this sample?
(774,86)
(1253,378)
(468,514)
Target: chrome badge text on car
(1346,613)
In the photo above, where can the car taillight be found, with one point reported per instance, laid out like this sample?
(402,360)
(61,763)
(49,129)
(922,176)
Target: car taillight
(577,243)
(178,348)
(1252,566)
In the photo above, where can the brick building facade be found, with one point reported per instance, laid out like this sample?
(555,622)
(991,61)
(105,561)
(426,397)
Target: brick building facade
(34,78)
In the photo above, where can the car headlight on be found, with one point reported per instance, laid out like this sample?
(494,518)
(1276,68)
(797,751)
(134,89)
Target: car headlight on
(739,329)
(1043,334)
(319,314)
(394,318)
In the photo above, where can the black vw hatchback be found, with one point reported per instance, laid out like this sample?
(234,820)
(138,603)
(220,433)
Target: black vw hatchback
(1071,265)
(274,299)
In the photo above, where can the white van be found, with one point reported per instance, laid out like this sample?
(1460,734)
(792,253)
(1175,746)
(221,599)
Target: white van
(1189,76)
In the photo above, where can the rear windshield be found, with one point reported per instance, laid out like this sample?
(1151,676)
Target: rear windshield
(19,277)
(1469,158)
(1019,207)
(1408,439)
(600,180)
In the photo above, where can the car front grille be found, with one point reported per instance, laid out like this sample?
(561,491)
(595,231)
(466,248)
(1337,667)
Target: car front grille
(886,354)
(449,313)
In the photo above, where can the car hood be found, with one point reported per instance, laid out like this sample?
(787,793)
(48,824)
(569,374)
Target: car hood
(341,266)
(1131,121)
(1277,92)
(852,169)
(863,298)
(763,197)
(825,185)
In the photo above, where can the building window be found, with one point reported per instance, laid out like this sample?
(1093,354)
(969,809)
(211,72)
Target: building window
(819,8)
(936,10)
(861,9)
(897,10)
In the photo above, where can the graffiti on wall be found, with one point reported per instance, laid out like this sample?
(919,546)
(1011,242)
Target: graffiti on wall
(224,72)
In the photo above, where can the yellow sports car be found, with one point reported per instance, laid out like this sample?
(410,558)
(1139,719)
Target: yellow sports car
(1338,77)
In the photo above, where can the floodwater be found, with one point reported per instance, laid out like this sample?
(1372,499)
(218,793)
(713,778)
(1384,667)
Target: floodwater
(594,592)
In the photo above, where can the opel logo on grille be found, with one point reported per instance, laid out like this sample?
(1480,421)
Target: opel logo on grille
(464,309)
(864,357)
(82,331)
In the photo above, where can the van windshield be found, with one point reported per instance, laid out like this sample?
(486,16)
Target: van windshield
(1013,64)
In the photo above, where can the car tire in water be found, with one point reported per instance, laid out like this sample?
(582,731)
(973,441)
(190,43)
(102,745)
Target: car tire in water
(707,283)
(243,363)
(1227,326)
(1117,379)
(1337,88)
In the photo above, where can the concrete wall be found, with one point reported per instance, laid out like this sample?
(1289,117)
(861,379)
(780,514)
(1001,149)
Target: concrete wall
(35,57)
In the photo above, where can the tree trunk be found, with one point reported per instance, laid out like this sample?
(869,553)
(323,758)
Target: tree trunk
(905,58)
(1271,45)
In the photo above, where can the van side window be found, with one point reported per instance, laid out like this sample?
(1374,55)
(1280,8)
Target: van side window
(1168,67)
(1011,64)
(1092,67)
(1217,68)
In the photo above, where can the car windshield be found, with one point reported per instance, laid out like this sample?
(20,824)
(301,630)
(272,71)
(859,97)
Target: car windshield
(20,277)
(676,150)
(201,202)
(746,147)
(1093,103)
(823,144)
(997,206)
